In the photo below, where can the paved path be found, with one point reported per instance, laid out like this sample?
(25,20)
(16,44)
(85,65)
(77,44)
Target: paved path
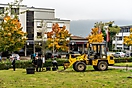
(119,67)
(25,58)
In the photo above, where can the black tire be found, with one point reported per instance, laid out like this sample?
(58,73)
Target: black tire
(74,66)
(95,68)
(102,66)
(80,66)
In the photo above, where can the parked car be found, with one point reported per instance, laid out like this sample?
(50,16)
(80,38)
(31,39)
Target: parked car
(128,54)
(48,55)
(119,54)
(74,54)
(16,56)
(63,54)
(55,55)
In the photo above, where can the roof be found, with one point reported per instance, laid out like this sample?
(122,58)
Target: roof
(77,38)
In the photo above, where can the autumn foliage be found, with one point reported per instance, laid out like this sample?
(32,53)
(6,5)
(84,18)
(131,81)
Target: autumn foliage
(12,38)
(128,39)
(95,36)
(57,38)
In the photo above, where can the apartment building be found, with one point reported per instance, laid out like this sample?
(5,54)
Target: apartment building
(31,22)
(118,40)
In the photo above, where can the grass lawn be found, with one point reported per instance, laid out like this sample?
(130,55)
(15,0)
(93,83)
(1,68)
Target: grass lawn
(66,79)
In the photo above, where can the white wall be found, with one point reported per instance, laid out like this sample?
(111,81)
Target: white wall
(43,15)
(49,27)
(22,18)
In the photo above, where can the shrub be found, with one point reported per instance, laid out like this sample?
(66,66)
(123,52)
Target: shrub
(28,63)
(123,59)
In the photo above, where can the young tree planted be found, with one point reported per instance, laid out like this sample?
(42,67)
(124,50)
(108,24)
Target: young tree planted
(95,36)
(58,38)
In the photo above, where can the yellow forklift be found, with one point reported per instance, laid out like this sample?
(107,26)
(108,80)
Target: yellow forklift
(96,56)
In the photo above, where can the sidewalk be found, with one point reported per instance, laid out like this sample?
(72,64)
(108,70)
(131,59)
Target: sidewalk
(120,67)
(25,58)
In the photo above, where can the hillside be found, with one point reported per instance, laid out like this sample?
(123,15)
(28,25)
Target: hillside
(83,27)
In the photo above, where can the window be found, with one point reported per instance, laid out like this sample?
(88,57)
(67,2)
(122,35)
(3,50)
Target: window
(39,34)
(30,30)
(119,44)
(30,24)
(1,10)
(30,36)
(119,38)
(126,30)
(39,25)
(49,24)
(15,11)
(1,20)
(61,25)
(30,14)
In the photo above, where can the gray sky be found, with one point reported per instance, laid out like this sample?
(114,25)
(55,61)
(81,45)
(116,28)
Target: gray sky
(84,9)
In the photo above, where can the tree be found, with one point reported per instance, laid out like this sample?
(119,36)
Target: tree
(58,38)
(112,31)
(95,36)
(12,38)
(128,39)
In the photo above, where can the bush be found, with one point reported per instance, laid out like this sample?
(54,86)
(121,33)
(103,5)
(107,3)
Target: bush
(123,59)
(28,63)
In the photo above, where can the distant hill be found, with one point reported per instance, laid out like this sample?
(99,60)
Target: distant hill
(83,27)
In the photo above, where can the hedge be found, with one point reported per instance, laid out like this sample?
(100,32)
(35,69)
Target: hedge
(28,63)
(123,59)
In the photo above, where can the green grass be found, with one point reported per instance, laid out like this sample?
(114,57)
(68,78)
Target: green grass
(124,64)
(66,79)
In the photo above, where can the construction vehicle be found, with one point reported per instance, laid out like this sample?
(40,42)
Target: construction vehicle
(96,56)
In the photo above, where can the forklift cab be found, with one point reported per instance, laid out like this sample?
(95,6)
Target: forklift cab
(97,51)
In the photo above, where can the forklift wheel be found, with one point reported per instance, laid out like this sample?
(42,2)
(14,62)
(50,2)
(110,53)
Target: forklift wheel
(74,66)
(102,65)
(80,66)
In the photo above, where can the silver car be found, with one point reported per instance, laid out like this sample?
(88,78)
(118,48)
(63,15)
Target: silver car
(119,54)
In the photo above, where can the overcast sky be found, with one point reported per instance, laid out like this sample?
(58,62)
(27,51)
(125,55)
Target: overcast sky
(84,9)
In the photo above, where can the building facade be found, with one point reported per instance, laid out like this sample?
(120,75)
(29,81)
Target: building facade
(32,20)
(118,40)
(78,44)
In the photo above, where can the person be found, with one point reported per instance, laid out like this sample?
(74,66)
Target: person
(33,56)
(43,60)
(43,57)
(39,64)
(34,62)
(13,63)
(54,63)
(0,58)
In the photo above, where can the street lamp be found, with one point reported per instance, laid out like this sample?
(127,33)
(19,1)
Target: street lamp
(27,43)
(39,43)
(72,46)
